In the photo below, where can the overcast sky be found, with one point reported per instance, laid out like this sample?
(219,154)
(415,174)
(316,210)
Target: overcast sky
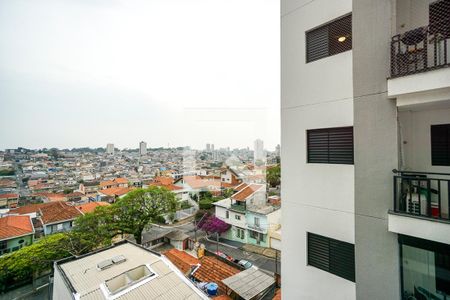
(169,72)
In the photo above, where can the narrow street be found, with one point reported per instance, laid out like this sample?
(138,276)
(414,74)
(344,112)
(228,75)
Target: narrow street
(260,261)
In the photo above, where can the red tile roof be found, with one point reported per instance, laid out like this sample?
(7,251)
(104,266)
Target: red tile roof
(115,191)
(58,211)
(213,270)
(13,226)
(115,181)
(240,186)
(163,180)
(28,209)
(223,297)
(181,259)
(91,206)
(9,196)
(246,192)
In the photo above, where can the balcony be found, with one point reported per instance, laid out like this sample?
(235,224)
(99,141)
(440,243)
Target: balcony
(421,205)
(421,49)
(422,194)
(239,207)
(420,55)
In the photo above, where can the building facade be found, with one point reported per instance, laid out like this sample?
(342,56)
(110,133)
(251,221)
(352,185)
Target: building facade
(110,149)
(258,151)
(143,148)
(365,91)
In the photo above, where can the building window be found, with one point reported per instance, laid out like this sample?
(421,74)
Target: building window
(330,255)
(256,222)
(329,39)
(240,233)
(237,217)
(440,145)
(425,267)
(227,214)
(330,145)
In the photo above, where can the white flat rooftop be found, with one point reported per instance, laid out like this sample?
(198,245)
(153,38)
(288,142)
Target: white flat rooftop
(88,281)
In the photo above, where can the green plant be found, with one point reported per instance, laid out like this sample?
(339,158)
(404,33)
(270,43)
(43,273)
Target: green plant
(205,204)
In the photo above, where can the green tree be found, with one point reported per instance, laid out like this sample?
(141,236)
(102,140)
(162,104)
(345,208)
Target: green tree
(273,175)
(32,260)
(93,230)
(227,193)
(134,212)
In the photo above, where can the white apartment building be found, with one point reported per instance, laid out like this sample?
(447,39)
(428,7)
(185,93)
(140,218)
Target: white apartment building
(142,148)
(365,90)
(258,151)
(110,149)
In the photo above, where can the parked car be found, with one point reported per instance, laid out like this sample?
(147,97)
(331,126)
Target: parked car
(223,255)
(245,263)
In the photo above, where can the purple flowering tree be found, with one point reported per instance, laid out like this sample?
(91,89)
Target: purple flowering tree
(212,224)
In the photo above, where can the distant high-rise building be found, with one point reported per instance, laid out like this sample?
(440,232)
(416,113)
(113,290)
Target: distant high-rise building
(212,147)
(277,150)
(258,148)
(208,147)
(142,148)
(110,148)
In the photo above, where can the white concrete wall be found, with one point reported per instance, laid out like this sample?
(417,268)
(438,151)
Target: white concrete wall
(317,198)
(239,223)
(416,138)
(221,213)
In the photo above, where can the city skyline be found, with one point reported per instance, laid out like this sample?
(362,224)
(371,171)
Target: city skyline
(146,78)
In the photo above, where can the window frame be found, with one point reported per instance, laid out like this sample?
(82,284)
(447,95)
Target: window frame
(332,263)
(443,161)
(330,160)
(327,25)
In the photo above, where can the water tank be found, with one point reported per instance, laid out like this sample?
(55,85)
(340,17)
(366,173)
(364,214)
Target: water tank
(211,288)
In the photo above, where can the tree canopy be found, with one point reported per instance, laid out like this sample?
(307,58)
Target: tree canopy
(212,224)
(274,175)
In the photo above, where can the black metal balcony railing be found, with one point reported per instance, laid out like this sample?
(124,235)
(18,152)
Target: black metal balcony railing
(422,194)
(421,49)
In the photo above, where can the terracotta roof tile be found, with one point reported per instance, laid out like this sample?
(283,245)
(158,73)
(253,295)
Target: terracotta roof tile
(181,259)
(240,187)
(115,191)
(12,226)
(28,209)
(246,192)
(8,196)
(91,206)
(58,211)
(223,297)
(115,181)
(213,270)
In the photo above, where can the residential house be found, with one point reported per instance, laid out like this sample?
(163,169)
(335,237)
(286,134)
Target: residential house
(57,217)
(122,271)
(365,91)
(114,183)
(182,260)
(249,214)
(213,269)
(113,193)
(9,200)
(15,232)
(261,221)
(91,206)
(230,176)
